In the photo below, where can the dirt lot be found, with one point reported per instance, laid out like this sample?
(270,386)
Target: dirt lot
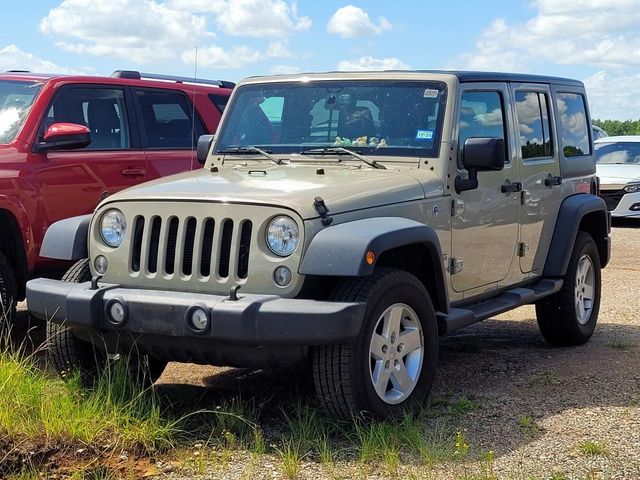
(572,395)
(533,405)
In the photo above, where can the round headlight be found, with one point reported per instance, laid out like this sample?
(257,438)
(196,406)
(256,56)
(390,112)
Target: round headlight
(113,227)
(283,236)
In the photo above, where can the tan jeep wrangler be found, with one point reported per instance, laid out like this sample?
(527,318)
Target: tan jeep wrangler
(349,217)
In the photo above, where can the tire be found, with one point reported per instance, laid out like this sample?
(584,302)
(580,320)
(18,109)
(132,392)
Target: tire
(69,354)
(558,317)
(346,376)
(8,292)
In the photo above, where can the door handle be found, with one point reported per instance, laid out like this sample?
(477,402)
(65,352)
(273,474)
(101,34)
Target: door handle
(510,187)
(133,172)
(550,181)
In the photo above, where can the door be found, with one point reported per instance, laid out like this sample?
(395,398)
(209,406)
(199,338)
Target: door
(73,182)
(169,131)
(540,173)
(485,221)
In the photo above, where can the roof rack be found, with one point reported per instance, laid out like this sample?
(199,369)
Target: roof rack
(135,75)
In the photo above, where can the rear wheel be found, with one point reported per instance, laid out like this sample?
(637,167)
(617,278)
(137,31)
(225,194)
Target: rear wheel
(569,317)
(8,292)
(390,367)
(71,355)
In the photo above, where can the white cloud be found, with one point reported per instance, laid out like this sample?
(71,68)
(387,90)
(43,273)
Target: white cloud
(351,21)
(198,6)
(570,32)
(13,58)
(141,31)
(215,56)
(371,63)
(613,96)
(284,69)
(261,18)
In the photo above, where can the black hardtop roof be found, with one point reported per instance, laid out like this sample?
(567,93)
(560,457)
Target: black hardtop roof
(469,76)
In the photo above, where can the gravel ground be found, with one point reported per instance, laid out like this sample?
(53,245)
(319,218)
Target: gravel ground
(573,395)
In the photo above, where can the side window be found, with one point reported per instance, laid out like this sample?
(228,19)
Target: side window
(220,101)
(533,123)
(168,120)
(575,131)
(481,115)
(102,110)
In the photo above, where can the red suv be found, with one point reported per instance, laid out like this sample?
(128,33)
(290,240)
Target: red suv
(66,142)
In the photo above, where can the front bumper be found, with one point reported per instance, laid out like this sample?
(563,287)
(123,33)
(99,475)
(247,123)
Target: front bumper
(252,320)
(622,204)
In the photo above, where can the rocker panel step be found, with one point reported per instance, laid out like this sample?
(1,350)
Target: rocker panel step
(508,300)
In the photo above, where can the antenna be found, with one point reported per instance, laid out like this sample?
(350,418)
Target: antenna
(193,106)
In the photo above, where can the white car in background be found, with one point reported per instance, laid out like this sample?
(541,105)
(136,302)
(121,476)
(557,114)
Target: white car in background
(618,167)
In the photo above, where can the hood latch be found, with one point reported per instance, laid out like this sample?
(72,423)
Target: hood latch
(323,211)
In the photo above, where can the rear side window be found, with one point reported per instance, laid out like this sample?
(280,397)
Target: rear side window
(575,130)
(481,115)
(533,124)
(168,120)
(102,110)
(220,101)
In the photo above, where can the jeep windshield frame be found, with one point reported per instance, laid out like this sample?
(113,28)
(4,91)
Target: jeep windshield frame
(16,99)
(401,118)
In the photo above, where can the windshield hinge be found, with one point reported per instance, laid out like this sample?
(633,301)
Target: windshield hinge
(323,211)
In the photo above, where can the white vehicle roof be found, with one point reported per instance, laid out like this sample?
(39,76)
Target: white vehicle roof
(619,138)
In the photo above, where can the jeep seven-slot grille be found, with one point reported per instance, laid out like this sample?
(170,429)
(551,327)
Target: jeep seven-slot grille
(191,246)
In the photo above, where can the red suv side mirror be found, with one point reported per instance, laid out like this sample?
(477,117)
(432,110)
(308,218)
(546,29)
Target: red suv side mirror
(64,136)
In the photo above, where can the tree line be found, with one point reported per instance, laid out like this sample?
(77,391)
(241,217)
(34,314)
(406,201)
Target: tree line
(617,127)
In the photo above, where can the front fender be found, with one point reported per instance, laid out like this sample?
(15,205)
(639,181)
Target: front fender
(340,250)
(67,239)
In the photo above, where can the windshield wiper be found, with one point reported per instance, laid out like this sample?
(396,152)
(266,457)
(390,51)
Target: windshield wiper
(251,149)
(343,151)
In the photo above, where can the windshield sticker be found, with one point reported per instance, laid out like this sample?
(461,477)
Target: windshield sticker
(431,93)
(424,135)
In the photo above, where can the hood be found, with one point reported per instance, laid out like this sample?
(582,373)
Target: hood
(343,188)
(617,174)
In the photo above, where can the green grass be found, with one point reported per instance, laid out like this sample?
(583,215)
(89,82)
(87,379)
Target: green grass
(544,378)
(528,426)
(590,448)
(620,343)
(34,405)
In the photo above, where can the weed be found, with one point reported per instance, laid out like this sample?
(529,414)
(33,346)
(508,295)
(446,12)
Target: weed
(461,446)
(528,426)
(290,456)
(558,476)
(590,448)
(620,343)
(544,379)
(463,405)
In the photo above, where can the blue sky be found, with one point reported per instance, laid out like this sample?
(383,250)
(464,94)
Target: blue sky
(597,41)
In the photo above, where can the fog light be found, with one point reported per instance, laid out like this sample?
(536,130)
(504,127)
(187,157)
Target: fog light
(198,319)
(116,312)
(101,264)
(282,276)
(635,207)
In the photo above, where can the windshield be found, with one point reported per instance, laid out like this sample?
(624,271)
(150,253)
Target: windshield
(15,101)
(619,152)
(370,117)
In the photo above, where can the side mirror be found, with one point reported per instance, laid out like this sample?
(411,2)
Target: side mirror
(480,154)
(64,136)
(204,145)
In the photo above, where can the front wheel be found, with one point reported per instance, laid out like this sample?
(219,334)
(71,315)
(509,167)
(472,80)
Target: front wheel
(70,355)
(391,366)
(569,317)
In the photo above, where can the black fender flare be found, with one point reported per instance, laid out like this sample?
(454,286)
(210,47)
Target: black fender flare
(340,250)
(67,239)
(570,216)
